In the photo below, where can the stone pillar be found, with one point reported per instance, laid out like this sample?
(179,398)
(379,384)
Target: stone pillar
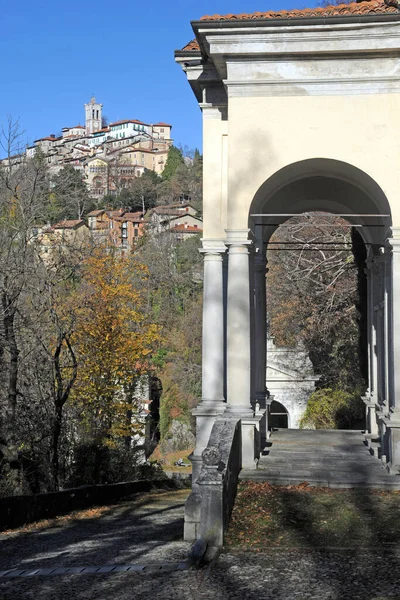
(392,421)
(238,329)
(371,398)
(387,325)
(260,328)
(212,403)
(259,342)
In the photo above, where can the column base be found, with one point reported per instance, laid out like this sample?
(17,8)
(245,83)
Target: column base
(371,424)
(392,442)
(239,412)
(251,440)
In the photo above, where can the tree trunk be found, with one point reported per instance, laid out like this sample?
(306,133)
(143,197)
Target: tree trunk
(55,458)
(9,437)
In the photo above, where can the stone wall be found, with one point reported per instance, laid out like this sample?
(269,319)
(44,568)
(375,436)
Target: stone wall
(290,379)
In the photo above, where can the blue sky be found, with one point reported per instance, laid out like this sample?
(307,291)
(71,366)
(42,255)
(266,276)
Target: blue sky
(55,55)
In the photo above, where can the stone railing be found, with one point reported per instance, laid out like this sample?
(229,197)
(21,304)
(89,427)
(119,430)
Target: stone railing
(217,482)
(16,511)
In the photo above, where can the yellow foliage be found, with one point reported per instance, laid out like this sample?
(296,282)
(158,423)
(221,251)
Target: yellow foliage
(112,339)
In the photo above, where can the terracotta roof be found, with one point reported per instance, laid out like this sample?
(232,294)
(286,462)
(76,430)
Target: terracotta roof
(116,213)
(368,7)
(75,127)
(95,213)
(133,215)
(49,137)
(71,224)
(127,121)
(188,228)
(161,125)
(193,45)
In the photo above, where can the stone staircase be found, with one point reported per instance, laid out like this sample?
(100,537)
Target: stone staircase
(324,458)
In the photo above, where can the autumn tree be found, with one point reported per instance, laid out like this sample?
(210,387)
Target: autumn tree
(113,342)
(174,300)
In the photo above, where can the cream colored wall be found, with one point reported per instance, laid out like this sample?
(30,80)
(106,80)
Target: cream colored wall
(268,133)
(215,160)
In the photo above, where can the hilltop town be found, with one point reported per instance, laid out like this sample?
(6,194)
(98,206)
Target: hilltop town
(97,165)
(107,155)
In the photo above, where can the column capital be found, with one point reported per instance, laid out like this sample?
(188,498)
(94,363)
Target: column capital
(212,246)
(217,112)
(239,237)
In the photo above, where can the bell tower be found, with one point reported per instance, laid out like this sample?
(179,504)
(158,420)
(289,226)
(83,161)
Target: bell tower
(93,116)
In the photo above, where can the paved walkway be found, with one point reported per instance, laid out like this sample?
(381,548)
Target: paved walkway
(148,533)
(327,458)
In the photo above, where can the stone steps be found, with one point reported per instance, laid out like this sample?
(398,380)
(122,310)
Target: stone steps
(325,458)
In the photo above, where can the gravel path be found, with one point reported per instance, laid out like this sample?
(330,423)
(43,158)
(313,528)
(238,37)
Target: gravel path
(149,533)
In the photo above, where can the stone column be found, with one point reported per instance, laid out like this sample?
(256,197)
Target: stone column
(392,421)
(238,330)
(387,325)
(212,402)
(239,341)
(260,327)
(371,398)
(259,343)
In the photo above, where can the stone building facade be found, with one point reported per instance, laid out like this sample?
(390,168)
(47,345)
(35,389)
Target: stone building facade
(299,113)
(290,382)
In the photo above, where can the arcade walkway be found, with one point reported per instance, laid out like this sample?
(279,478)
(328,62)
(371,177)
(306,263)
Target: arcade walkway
(326,458)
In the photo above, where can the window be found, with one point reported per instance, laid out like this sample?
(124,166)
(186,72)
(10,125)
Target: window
(136,232)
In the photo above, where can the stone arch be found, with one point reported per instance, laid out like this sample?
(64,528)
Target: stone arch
(326,185)
(279,416)
(339,188)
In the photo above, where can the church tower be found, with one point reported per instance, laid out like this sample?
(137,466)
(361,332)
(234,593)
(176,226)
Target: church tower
(93,116)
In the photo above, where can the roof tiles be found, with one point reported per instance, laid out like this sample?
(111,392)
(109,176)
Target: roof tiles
(368,7)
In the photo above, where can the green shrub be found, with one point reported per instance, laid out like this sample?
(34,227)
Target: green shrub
(332,409)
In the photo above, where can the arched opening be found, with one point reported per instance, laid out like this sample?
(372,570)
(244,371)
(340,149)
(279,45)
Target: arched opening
(331,187)
(279,418)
